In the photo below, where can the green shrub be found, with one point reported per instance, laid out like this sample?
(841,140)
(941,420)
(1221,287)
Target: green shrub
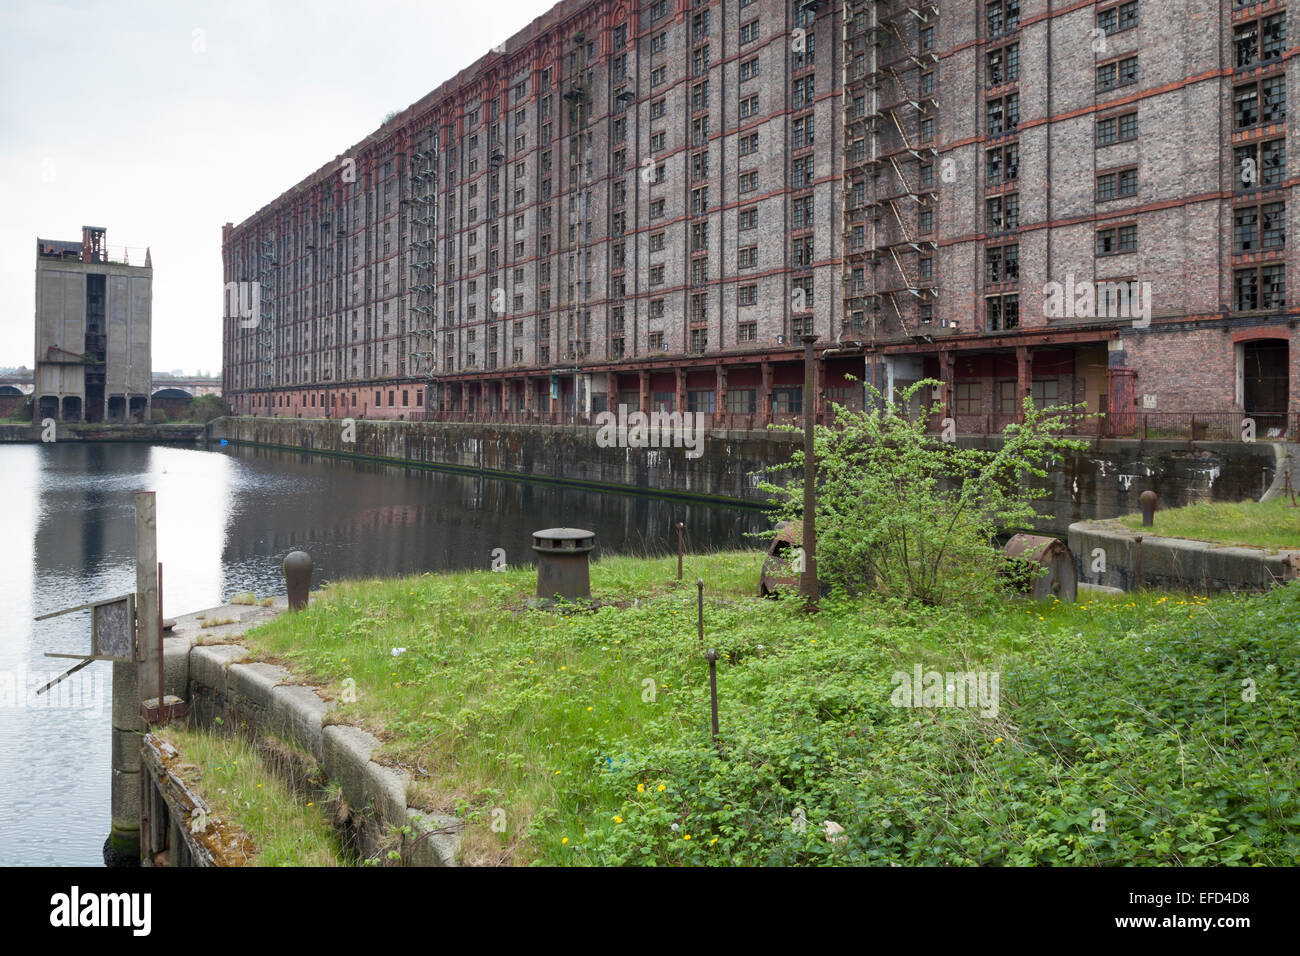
(912,515)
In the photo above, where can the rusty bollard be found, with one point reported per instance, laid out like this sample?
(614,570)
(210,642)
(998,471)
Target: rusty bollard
(297,578)
(1149,499)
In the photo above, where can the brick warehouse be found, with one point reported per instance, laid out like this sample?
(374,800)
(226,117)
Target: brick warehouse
(651,204)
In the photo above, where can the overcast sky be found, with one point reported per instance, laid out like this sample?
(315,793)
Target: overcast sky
(161,120)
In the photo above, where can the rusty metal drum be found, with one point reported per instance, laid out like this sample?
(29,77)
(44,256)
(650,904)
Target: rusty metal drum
(1062,578)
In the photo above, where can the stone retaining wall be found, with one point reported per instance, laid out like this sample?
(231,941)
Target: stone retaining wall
(1103,481)
(258,699)
(225,692)
(1175,564)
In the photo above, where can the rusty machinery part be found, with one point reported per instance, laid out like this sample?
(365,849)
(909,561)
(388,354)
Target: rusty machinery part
(781,569)
(1061,580)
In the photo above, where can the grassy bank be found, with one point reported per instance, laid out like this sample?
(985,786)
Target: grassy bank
(1122,734)
(1275,525)
(285,829)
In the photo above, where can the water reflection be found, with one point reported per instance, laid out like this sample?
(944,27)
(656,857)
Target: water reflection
(225,519)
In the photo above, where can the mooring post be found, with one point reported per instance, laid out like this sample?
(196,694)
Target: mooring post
(1148,499)
(297,568)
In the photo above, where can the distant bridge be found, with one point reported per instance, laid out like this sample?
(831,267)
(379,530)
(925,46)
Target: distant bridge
(164,386)
(193,387)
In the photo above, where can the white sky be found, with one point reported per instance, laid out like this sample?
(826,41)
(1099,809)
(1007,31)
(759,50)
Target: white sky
(117,114)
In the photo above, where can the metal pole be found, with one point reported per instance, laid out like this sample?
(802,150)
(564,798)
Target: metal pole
(1137,562)
(700,585)
(680,526)
(808,582)
(161,695)
(713,688)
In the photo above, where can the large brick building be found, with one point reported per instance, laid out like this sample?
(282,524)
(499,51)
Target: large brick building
(651,203)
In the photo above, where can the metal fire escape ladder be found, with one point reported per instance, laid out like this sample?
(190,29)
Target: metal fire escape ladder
(423,249)
(266,317)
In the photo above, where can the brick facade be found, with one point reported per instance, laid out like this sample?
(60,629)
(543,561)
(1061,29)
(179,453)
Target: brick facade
(651,203)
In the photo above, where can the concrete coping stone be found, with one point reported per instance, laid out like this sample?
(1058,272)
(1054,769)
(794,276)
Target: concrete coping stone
(346,752)
(209,663)
(343,751)
(433,838)
(298,713)
(255,682)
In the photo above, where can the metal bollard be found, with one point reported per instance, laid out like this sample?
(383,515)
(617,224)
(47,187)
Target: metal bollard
(297,569)
(1149,499)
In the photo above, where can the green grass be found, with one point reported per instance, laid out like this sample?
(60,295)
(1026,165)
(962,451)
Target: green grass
(586,734)
(1275,525)
(285,829)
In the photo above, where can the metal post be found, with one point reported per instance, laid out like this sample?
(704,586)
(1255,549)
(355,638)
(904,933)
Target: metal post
(161,693)
(680,527)
(713,688)
(1137,562)
(808,582)
(700,585)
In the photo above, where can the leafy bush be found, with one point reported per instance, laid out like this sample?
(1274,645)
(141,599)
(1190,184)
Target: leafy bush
(911,515)
(205,408)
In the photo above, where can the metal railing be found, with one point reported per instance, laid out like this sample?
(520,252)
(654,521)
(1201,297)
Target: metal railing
(1148,426)
(737,421)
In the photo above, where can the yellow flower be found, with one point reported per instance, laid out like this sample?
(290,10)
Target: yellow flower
(998,741)
(687,837)
(591,708)
(640,788)
(661,788)
(618,819)
(713,841)
(557,773)
(564,841)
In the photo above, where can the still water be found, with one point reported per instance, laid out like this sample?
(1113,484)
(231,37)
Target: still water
(225,520)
